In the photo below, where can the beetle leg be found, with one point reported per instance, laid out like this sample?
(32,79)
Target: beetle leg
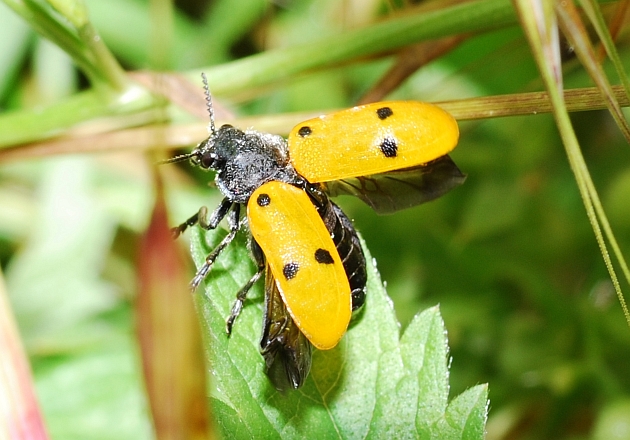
(217,215)
(240,298)
(233,218)
(178,230)
(259,258)
(200,217)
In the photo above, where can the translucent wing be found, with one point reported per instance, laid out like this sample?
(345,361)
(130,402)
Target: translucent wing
(286,350)
(395,190)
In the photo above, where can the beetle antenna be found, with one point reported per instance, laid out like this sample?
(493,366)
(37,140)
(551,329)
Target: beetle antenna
(209,106)
(180,158)
(211,127)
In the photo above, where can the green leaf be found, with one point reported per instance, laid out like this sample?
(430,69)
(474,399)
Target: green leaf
(374,384)
(70,233)
(12,56)
(466,415)
(612,422)
(76,325)
(110,404)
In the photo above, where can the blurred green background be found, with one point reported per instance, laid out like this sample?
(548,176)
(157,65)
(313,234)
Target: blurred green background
(509,256)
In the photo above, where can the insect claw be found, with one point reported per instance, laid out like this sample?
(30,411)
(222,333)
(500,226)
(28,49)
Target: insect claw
(236,310)
(194,284)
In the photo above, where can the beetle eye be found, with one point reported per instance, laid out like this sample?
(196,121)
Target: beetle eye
(206,160)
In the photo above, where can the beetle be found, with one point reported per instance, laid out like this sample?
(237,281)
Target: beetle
(392,155)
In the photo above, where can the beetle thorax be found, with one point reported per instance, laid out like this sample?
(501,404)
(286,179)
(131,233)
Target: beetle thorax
(246,160)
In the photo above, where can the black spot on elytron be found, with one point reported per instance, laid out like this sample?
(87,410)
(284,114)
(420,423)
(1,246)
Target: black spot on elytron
(384,112)
(305,131)
(389,148)
(323,256)
(290,270)
(263,200)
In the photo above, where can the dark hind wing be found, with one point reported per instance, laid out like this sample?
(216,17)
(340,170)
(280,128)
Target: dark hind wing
(390,192)
(286,350)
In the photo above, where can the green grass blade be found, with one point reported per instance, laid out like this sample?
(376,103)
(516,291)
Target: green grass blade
(542,32)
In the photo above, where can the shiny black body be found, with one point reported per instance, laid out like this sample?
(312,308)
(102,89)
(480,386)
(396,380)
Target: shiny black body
(347,242)
(246,160)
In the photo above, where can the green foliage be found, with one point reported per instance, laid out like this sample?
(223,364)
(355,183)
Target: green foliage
(76,323)
(509,257)
(374,384)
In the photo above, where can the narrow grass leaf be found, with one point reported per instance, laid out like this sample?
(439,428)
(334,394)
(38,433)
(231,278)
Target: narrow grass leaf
(542,39)
(594,14)
(573,28)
